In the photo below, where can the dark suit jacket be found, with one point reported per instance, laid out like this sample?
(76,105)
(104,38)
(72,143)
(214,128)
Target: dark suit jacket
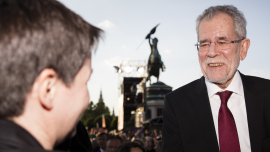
(79,143)
(97,149)
(188,123)
(14,138)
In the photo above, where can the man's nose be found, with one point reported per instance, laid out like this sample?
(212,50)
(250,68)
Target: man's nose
(213,49)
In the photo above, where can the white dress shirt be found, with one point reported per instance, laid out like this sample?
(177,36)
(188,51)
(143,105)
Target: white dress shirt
(237,106)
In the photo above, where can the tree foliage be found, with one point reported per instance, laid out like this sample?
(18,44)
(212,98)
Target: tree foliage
(108,119)
(114,123)
(93,114)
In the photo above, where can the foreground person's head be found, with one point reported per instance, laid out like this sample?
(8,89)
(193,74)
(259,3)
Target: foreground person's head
(45,63)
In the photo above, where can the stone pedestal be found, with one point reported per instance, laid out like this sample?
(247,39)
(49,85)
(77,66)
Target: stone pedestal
(155,94)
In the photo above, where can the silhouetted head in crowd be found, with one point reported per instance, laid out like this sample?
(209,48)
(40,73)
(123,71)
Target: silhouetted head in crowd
(113,142)
(159,146)
(45,63)
(102,139)
(138,141)
(94,143)
(150,143)
(124,138)
(130,147)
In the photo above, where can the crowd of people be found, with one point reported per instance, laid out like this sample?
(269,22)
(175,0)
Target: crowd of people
(138,140)
(121,143)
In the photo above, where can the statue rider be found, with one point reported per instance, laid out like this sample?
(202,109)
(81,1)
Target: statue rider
(154,62)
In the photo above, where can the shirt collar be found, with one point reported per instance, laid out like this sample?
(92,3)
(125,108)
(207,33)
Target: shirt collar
(101,150)
(235,86)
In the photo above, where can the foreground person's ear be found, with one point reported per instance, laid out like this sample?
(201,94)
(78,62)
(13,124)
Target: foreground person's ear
(46,87)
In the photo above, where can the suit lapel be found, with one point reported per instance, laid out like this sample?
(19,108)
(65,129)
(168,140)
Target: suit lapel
(254,106)
(203,112)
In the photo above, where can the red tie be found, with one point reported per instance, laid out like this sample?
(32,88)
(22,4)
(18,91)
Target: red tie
(228,137)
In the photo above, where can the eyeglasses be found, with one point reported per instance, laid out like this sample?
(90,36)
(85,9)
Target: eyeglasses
(220,44)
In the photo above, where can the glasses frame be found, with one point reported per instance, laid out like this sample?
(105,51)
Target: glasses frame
(234,41)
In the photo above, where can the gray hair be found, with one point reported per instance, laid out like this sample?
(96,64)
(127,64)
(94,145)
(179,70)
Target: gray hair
(35,35)
(240,22)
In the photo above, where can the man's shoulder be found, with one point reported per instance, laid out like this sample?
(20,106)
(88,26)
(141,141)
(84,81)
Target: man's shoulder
(14,138)
(27,150)
(256,84)
(257,79)
(186,89)
(97,149)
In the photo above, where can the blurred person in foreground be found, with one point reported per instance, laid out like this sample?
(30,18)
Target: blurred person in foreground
(101,140)
(45,63)
(224,110)
(130,147)
(113,142)
(79,143)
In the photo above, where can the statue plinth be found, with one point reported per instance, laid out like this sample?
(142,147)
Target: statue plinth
(157,91)
(155,94)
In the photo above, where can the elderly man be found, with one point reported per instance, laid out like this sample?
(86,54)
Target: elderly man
(224,110)
(45,63)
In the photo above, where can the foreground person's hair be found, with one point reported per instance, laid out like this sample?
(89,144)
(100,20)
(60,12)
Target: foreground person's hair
(35,35)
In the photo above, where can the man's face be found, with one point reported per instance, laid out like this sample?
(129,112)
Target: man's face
(94,143)
(71,101)
(149,143)
(124,139)
(102,141)
(112,145)
(159,149)
(135,149)
(219,66)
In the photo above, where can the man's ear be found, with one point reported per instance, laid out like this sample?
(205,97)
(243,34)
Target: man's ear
(46,87)
(244,48)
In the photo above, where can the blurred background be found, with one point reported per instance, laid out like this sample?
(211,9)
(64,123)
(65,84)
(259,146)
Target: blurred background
(126,23)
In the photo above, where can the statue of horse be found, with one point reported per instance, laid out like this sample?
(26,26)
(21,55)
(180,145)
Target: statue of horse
(154,62)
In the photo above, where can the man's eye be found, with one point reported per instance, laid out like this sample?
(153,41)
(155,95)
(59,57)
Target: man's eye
(204,45)
(222,42)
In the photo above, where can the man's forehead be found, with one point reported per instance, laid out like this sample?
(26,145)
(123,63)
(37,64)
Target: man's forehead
(102,137)
(219,26)
(113,141)
(224,38)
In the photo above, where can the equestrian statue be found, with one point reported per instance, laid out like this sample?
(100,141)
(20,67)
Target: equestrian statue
(154,62)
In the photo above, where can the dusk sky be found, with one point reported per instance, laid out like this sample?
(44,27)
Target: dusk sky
(126,23)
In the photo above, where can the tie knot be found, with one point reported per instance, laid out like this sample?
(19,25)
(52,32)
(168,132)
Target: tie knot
(224,96)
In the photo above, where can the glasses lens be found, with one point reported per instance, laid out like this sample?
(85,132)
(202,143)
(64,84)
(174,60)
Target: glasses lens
(203,46)
(223,45)
(220,45)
